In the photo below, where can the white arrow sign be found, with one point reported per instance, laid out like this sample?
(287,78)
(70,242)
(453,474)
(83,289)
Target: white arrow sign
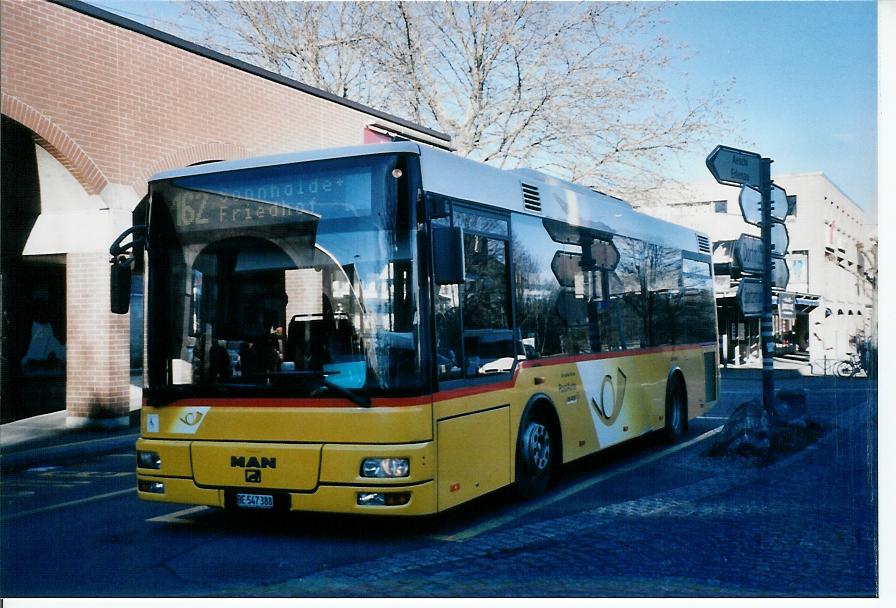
(780,273)
(749,297)
(780,240)
(734,167)
(748,253)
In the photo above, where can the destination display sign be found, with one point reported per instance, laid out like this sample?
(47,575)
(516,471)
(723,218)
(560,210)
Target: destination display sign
(734,167)
(242,200)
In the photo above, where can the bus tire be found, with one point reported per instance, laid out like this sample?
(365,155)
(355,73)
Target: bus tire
(676,409)
(536,453)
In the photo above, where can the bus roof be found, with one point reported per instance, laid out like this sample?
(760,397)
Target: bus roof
(522,190)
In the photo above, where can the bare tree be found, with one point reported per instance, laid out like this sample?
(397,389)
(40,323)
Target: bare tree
(576,89)
(323,44)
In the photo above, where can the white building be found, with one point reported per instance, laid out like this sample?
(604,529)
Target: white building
(831,258)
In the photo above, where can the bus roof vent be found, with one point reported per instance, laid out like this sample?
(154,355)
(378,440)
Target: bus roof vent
(703,243)
(531,198)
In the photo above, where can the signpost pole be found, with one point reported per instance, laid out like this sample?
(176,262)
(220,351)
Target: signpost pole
(766,341)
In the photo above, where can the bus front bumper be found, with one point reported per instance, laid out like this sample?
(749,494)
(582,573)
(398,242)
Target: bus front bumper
(337,485)
(420,498)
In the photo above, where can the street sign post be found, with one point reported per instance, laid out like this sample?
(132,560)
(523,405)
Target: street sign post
(734,167)
(750,200)
(749,297)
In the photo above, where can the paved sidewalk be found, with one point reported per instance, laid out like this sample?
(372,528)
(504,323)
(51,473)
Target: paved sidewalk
(804,526)
(46,439)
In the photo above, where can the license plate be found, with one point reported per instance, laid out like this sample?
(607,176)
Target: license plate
(255,501)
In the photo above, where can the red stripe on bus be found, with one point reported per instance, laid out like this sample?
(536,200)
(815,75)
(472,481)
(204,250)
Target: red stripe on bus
(296,402)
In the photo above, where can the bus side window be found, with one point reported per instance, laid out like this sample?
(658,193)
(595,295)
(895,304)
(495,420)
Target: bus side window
(473,321)
(448,347)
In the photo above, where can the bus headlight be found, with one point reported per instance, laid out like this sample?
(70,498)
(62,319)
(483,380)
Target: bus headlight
(149,460)
(386,467)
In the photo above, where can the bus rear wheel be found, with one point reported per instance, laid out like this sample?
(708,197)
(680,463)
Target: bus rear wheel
(535,454)
(676,410)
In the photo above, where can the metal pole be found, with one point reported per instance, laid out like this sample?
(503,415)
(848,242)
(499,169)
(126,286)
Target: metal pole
(767,338)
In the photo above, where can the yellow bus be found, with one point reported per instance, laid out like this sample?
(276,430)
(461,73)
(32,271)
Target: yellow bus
(395,329)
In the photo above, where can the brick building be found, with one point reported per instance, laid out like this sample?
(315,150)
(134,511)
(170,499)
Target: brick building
(92,105)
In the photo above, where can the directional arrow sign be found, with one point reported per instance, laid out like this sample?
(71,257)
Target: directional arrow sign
(780,274)
(780,240)
(605,254)
(748,253)
(751,204)
(565,267)
(734,167)
(749,297)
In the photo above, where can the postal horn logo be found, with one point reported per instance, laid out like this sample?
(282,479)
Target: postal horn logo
(612,395)
(192,418)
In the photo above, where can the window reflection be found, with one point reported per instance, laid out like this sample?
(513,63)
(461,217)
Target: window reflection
(473,325)
(282,295)
(579,291)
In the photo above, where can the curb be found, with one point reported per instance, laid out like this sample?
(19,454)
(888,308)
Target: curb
(55,453)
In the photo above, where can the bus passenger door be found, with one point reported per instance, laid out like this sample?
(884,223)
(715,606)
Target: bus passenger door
(474,336)
(475,342)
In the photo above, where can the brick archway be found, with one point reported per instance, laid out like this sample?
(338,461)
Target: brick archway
(208,151)
(57,142)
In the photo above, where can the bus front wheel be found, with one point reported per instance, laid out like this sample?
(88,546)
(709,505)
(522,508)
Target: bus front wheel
(535,454)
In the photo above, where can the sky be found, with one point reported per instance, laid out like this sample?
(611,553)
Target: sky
(805,83)
(805,80)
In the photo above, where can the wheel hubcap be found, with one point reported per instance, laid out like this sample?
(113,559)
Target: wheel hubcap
(538,447)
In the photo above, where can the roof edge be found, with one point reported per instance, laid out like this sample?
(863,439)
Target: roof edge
(207,53)
(288,158)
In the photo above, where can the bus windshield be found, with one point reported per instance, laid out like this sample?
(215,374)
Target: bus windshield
(295,276)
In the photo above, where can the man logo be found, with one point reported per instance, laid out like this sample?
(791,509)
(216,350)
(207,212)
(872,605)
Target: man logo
(252,462)
(253,475)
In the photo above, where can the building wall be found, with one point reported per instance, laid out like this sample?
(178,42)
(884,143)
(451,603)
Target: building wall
(831,228)
(113,103)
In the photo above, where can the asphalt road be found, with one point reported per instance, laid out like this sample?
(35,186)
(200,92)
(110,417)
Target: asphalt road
(79,530)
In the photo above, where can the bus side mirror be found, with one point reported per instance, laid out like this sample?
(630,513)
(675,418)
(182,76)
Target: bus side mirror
(120,292)
(448,255)
(120,276)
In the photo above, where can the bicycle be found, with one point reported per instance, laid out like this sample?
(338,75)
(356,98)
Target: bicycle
(849,367)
